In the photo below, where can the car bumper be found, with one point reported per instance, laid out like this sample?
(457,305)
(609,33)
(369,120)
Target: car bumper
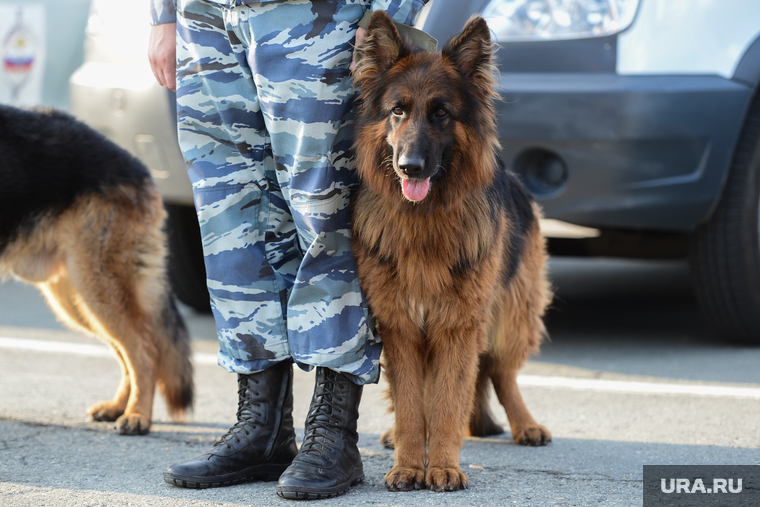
(610,151)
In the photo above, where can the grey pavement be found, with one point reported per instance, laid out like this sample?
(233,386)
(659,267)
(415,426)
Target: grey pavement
(614,324)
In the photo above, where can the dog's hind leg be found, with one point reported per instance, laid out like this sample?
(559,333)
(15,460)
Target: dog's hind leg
(62,300)
(140,359)
(517,330)
(69,306)
(386,439)
(153,302)
(45,267)
(106,244)
(127,329)
(519,339)
(111,410)
(481,420)
(525,430)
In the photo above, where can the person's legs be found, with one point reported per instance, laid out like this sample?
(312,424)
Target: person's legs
(264,128)
(300,52)
(247,232)
(249,247)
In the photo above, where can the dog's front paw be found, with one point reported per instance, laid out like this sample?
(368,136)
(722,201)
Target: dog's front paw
(105,411)
(532,435)
(446,479)
(405,479)
(133,424)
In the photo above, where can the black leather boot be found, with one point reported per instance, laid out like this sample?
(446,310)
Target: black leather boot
(328,463)
(262,443)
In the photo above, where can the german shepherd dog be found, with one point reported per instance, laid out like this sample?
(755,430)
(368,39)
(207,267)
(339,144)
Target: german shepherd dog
(81,219)
(448,248)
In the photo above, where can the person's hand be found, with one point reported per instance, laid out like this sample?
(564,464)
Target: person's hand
(360,33)
(162,51)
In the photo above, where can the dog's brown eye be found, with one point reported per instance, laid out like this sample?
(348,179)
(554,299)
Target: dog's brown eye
(397,111)
(440,113)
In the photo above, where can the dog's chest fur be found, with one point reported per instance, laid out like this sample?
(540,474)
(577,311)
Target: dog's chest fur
(414,248)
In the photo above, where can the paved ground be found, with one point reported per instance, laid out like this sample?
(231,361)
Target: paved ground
(631,377)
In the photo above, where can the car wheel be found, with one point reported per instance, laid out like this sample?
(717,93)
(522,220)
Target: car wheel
(187,273)
(725,252)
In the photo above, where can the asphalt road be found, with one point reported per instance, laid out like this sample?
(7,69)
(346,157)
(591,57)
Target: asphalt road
(632,376)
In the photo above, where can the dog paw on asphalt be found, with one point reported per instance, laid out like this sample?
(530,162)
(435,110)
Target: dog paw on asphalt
(446,479)
(405,479)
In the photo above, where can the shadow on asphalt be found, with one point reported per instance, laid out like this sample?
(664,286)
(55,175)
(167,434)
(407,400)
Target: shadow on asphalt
(638,318)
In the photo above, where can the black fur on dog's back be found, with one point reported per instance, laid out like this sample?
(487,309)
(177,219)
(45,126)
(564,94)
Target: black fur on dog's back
(515,200)
(42,175)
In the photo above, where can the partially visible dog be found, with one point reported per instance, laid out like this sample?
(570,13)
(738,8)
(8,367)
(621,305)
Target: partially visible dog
(81,219)
(448,248)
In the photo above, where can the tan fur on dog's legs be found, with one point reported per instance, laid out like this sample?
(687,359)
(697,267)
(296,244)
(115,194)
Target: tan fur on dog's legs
(404,369)
(525,430)
(481,421)
(61,298)
(113,409)
(453,372)
(517,332)
(137,416)
(127,328)
(75,309)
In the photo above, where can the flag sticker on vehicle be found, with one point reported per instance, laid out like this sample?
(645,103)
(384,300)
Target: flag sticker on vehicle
(22,46)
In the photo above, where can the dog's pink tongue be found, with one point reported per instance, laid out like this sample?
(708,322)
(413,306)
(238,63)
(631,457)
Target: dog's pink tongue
(415,190)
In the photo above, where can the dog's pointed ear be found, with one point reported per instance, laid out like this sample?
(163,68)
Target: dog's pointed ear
(472,50)
(382,47)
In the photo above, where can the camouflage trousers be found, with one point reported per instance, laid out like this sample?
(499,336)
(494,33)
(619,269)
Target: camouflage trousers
(264,101)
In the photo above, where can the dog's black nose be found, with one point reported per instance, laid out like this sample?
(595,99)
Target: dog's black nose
(411,166)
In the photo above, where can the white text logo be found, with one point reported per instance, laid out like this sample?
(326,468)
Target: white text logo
(686,486)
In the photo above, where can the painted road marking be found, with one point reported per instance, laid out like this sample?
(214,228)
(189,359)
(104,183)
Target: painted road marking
(549,382)
(78,349)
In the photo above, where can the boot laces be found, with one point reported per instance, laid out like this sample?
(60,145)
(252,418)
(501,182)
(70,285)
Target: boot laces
(323,421)
(245,422)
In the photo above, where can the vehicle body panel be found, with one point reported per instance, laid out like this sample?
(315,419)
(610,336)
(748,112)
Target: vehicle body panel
(643,123)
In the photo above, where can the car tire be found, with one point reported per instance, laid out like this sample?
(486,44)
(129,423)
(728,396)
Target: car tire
(725,251)
(187,273)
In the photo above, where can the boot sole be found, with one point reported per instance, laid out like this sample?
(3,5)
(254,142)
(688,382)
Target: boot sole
(227,480)
(302,493)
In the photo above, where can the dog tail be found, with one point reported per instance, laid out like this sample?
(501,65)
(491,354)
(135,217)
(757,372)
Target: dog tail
(175,369)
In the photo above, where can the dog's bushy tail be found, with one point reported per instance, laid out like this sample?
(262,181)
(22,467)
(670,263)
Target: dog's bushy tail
(175,369)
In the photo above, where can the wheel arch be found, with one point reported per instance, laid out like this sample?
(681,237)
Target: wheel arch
(747,73)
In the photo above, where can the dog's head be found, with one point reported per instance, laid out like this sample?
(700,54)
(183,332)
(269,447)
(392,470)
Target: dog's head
(425,116)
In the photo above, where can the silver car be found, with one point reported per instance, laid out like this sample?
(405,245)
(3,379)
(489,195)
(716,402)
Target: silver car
(115,92)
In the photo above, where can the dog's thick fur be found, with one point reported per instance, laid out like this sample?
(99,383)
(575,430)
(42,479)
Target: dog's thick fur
(81,219)
(448,247)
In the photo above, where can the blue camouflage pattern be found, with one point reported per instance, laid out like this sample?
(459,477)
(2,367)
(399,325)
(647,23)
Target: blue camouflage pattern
(162,11)
(264,99)
(403,11)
